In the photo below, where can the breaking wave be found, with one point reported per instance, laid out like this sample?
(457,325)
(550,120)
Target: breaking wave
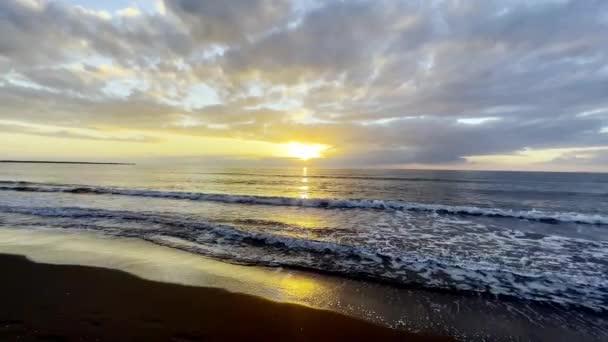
(553,217)
(240,245)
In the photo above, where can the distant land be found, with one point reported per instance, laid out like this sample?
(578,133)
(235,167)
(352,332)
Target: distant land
(60,162)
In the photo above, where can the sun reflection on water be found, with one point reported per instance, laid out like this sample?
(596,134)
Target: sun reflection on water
(304,188)
(153,262)
(300,287)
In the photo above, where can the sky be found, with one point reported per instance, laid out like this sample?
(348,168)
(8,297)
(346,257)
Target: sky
(483,85)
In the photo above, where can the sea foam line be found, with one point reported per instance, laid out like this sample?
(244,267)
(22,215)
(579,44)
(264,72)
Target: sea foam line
(427,271)
(327,203)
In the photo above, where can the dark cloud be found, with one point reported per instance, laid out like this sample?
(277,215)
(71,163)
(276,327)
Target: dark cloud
(209,21)
(44,33)
(331,39)
(384,82)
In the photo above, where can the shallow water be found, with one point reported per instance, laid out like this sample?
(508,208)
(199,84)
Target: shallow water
(468,318)
(539,238)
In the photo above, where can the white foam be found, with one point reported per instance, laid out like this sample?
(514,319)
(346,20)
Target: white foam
(329,203)
(370,260)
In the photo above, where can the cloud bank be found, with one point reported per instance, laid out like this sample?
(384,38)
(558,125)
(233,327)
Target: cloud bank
(383,82)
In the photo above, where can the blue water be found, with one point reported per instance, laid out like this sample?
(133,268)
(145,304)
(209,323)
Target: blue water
(540,237)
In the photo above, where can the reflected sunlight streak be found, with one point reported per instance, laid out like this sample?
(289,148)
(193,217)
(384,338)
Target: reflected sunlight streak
(304,188)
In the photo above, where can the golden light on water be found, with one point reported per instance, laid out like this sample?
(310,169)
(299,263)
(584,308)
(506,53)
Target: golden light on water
(305,151)
(300,287)
(304,188)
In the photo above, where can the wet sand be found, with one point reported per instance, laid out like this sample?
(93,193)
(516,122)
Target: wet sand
(45,302)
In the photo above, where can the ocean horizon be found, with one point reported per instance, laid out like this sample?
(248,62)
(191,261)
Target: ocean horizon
(523,241)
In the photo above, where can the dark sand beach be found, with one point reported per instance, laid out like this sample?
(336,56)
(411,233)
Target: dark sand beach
(42,302)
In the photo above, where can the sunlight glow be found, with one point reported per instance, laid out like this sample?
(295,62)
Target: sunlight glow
(305,151)
(476,121)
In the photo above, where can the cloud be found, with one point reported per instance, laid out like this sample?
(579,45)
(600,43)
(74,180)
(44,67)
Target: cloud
(209,21)
(383,82)
(129,12)
(71,133)
(597,157)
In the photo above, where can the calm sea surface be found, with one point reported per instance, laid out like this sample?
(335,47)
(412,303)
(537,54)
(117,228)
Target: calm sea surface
(536,237)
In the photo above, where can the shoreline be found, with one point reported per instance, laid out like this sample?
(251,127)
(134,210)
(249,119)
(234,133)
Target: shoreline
(423,312)
(67,302)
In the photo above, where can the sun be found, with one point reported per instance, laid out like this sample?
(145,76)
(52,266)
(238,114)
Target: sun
(305,151)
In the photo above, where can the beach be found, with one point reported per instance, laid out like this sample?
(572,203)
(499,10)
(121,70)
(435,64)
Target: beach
(104,269)
(473,256)
(194,170)
(75,303)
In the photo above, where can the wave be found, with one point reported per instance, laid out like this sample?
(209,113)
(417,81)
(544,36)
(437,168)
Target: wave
(404,267)
(552,217)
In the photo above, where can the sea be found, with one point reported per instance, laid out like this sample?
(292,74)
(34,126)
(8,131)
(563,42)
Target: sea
(532,246)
